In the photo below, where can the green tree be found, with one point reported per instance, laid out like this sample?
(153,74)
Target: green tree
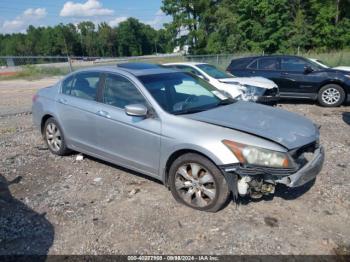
(106,39)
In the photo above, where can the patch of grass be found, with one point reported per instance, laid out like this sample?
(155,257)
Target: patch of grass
(31,72)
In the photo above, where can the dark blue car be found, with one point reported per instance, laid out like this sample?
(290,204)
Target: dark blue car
(297,77)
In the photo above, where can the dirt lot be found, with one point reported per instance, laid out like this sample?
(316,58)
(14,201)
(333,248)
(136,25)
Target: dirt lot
(59,205)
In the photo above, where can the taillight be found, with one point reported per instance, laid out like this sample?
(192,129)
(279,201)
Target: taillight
(34,98)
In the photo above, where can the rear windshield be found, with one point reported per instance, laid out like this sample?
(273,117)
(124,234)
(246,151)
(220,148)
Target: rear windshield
(239,63)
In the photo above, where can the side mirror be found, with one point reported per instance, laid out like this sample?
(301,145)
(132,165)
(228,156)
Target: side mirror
(136,110)
(308,69)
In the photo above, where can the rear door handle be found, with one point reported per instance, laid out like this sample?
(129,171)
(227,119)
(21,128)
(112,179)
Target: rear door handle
(62,101)
(103,113)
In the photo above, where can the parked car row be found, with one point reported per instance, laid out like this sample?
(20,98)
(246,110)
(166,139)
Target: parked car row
(183,128)
(256,89)
(298,77)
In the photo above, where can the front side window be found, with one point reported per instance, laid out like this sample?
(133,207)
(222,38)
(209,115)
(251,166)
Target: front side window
(213,71)
(318,64)
(120,92)
(85,85)
(293,64)
(268,64)
(179,92)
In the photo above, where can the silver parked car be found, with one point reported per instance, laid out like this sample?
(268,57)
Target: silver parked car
(179,129)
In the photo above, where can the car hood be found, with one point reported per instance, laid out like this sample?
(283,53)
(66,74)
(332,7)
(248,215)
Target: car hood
(335,70)
(253,81)
(342,68)
(285,128)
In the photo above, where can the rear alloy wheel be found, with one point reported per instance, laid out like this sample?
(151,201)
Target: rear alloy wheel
(197,182)
(331,95)
(54,138)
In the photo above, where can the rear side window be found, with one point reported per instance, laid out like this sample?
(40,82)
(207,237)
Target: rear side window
(120,92)
(85,85)
(239,63)
(268,63)
(67,85)
(253,65)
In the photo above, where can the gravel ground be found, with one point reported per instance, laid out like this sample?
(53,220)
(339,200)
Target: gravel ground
(58,205)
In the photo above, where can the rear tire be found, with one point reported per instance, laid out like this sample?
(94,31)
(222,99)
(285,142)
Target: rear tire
(54,138)
(198,183)
(331,95)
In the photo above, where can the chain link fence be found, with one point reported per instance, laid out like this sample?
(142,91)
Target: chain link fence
(38,66)
(41,66)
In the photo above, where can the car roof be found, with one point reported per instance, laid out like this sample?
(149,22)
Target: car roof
(266,56)
(138,65)
(185,63)
(136,72)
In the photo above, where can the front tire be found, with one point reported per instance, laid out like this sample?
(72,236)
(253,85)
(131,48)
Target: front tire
(331,95)
(54,137)
(198,183)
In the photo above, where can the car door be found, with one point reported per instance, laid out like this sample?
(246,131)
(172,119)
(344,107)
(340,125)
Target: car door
(76,109)
(295,80)
(268,67)
(129,141)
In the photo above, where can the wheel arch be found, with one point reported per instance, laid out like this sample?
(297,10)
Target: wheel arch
(43,121)
(332,81)
(176,155)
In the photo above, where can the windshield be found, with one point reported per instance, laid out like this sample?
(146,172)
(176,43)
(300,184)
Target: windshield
(182,93)
(318,63)
(213,71)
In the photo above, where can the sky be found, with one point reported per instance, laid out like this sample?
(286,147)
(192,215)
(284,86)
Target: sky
(17,15)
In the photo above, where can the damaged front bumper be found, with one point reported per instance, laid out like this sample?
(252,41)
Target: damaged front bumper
(307,173)
(267,99)
(261,95)
(261,180)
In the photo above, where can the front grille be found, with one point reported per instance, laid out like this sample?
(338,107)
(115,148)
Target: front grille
(271,92)
(258,170)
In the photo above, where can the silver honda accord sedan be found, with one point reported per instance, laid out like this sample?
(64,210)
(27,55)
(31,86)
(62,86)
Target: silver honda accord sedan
(173,126)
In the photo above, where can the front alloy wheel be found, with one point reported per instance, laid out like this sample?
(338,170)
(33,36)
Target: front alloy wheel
(331,95)
(54,137)
(195,185)
(198,183)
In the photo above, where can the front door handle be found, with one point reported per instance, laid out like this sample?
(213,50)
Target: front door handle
(103,113)
(62,101)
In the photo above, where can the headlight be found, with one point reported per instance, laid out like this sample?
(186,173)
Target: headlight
(254,90)
(259,156)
